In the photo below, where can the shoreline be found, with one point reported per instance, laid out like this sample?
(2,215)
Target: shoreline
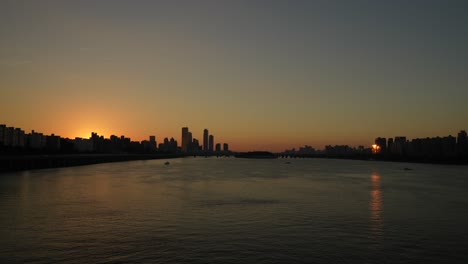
(34,162)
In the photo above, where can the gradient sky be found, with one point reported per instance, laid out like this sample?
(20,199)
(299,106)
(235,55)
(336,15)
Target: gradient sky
(258,74)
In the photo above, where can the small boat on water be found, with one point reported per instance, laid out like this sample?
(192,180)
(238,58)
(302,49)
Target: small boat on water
(167,163)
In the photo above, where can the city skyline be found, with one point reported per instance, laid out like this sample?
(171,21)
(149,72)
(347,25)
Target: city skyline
(11,136)
(263,76)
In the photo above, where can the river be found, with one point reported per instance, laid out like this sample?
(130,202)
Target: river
(228,210)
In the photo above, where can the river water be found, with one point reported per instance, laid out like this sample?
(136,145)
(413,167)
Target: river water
(228,210)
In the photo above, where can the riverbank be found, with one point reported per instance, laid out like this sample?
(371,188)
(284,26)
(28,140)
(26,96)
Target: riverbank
(32,162)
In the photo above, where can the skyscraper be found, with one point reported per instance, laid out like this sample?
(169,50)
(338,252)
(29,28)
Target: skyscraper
(185,139)
(152,142)
(225,147)
(189,142)
(211,143)
(205,140)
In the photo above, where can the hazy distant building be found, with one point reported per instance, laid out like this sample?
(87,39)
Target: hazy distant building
(225,147)
(205,140)
(218,147)
(211,143)
(306,150)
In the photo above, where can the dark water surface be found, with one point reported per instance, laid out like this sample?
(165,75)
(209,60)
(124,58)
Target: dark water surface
(227,210)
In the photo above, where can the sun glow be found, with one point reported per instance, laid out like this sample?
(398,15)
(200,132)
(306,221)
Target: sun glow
(375,149)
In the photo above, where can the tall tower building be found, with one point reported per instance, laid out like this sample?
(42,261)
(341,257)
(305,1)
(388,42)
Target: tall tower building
(211,143)
(205,140)
(189,144)
(152,141)
(185,139)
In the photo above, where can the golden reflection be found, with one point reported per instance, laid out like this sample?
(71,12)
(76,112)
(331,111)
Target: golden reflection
(376,207)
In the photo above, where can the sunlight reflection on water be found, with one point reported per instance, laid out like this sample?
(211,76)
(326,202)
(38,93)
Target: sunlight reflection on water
(230,210)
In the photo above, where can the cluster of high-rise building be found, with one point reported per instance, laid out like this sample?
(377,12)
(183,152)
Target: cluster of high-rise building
(435,147)
(192,145)
(329,150)
(16,140)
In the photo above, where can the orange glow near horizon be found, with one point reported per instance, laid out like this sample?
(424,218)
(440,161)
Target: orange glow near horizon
(375,149)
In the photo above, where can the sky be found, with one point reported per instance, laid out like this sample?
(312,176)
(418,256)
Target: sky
(260,75)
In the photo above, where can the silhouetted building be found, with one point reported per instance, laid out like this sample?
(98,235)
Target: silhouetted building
(398,146)
(390,145)
(218,147)
(306,150)
(211,143)
(186,139)
(98,142)
(83,145)
(340,150)
(168,146)
(462,143)
(53,143)
(205,140)
(195,146)
(432,148)
(36,140)
(382,144)
(173,145)
(225,147)
(164,146)
(2,132)
(153,143)
(8,135)
(149,146)
(449,147)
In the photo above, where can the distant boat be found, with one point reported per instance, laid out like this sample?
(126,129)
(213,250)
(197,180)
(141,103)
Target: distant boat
(407,169)
(167,163)
(288,162)
(256,155)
